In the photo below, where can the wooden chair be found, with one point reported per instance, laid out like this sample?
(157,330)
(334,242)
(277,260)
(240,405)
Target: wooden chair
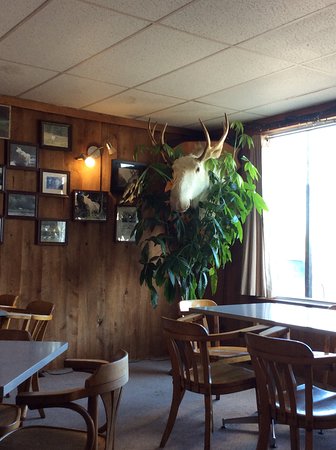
(231,353)
(10,415)
(105,383)
(280,396)
(193,371)
(8,300)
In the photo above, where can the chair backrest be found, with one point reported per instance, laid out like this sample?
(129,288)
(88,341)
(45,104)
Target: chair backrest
(41,315)
(8,299)
(107,382)
(274,361)
(189,368)
(15,335)
(185,305)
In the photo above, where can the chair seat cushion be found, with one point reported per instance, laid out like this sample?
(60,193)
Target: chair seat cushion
(9,418)
(44,438)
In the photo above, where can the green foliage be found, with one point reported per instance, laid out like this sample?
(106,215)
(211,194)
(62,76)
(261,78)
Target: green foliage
(182,252)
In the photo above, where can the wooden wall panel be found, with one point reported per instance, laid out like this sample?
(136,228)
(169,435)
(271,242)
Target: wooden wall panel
(93,281)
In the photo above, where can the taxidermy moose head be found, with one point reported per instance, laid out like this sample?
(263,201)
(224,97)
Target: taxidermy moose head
(190,177)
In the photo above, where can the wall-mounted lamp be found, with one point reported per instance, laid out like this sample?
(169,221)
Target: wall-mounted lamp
(94,152)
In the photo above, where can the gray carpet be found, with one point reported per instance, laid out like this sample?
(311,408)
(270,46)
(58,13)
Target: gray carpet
(145,406)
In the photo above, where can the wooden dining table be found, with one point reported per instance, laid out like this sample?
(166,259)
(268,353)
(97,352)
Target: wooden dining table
(299,317)
(19,360)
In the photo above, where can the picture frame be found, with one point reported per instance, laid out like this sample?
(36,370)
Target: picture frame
(21,205)
(52,232)
(126,220)
(55,135)
(1,229)
(123,173)
(55,182)
(5,121)
(22,155)
(90,206)
(2,178)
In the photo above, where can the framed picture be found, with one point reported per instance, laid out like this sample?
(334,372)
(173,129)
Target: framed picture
(54,182)
(126,220)
(21,205)
(90,206)
(124,173)
(1,229)
(5,121)
(21,155)
(55,136)
(2,178)
(52,232)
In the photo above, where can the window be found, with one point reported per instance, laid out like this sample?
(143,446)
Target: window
(299,186)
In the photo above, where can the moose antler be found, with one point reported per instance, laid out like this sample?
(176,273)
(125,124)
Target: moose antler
(215,151)
(151,132)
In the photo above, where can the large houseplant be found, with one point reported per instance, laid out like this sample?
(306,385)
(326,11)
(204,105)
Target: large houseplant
(190,247)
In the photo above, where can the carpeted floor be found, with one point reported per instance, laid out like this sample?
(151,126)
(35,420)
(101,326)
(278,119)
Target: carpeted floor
(145,406)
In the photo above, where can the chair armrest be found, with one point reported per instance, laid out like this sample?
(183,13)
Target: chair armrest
(84,365)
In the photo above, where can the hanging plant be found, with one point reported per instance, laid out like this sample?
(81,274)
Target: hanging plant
(183,251)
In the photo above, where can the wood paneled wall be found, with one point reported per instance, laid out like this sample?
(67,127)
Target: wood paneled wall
(93,281)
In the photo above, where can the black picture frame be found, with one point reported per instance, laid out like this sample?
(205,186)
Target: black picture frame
(52,232)
(5,121)
(126,220)
(55,135)
(2,178)
(90,206)
(2,221)
(21,205)
(123,173)
(55,182)
(21,155)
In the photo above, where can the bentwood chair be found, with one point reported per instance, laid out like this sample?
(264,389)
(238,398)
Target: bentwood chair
(231,353)
(193,371)
(8,300)
(285,398)
(104,384)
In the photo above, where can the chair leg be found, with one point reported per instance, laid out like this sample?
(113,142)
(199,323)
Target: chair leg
(295,438)
(273,436)
(178,395)
(36,388)
(264,432)
(208,421)
(309,440)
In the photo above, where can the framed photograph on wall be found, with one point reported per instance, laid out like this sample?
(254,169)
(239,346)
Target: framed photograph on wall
(2,178)
(1,229)
(21,155)
(123,173)
(52,232)
(55,136)
(54,182)
(5,121)
(90,206)
(126,219)
(21,205)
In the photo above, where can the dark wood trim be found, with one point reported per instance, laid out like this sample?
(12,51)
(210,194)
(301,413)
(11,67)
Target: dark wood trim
(303,116)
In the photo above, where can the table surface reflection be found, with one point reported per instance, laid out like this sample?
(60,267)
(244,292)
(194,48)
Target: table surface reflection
(312,319)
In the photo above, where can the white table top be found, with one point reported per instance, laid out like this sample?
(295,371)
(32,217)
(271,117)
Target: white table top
(19,360)
(318,320)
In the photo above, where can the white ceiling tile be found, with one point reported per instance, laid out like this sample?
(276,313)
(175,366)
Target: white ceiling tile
(303,40)
(133,103)
(303,101)
(225,69)
(246,116)
(150,54)
(14,11)
(326,64)
(187,113)
(17,78)
(233,21)
(270,88)
(147,9)
(66,32)
(67,90)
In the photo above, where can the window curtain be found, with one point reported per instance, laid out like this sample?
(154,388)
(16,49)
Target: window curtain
(255,280)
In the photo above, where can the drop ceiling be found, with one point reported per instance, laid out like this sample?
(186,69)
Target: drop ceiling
(171,60)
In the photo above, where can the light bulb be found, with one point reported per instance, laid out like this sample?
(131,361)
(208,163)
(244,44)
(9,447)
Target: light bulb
(89,161)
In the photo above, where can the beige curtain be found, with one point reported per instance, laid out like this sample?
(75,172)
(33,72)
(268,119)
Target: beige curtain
(254,277)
